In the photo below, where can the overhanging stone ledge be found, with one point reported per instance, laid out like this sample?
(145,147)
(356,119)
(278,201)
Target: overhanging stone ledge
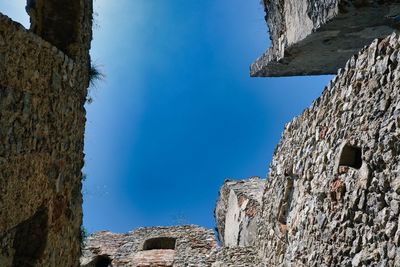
(326,48)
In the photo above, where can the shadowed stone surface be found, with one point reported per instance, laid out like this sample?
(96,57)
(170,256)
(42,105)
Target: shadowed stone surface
(30,239)
(64,23)
(42,121)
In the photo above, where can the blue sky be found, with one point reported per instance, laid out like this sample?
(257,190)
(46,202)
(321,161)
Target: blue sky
(178,112)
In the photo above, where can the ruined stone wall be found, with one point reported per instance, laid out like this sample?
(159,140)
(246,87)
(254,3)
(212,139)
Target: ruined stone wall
(333,192)
(237,210)
(192,247)
(42,120)
(312,37)
(67,24)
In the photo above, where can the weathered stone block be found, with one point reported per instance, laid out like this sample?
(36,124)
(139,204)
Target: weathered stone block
(237,211)
(318,37)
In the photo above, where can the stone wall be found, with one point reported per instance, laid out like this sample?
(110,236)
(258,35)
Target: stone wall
(318,36)
(193,247)
(236,257)
(237,210)
(333,192)
(42,121)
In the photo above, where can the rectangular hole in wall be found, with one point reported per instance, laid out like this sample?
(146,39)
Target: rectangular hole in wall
(284,206)
(351,156)
(159,243)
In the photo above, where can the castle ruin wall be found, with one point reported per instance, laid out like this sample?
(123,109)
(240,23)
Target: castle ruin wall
(42,121)
(333,192)
(312,37)
(192,246)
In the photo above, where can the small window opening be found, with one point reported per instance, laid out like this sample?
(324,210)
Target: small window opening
(159,243)
(102,261)
(351,156)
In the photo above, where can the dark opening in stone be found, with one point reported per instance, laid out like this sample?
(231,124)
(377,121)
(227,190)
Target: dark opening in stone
(159,243)
(284,206)
(351,156)
(30,239)
(102,261)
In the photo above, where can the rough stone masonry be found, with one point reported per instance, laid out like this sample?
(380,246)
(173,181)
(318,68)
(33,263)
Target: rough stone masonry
(43,85)
(153,246)
(333,192)
(178,246)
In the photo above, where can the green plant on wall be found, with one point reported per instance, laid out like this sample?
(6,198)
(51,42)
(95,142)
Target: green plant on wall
(95,75)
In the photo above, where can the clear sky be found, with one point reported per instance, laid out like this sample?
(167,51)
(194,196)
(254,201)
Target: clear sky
(178,112)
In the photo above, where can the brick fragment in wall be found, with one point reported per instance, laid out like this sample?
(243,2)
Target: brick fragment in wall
(344,205)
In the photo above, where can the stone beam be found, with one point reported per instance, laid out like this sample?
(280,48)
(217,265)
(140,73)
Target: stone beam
(318,37)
